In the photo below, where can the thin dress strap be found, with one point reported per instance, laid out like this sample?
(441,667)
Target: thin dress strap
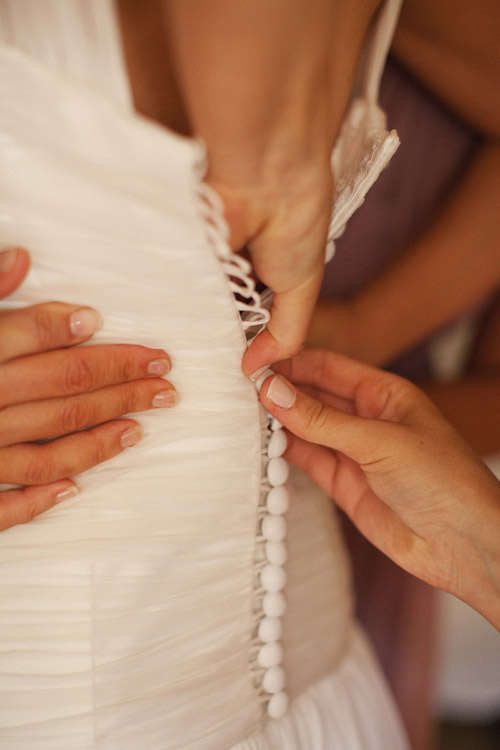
(377,49)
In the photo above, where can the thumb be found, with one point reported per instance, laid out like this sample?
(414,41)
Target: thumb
(14,265)
(317,422)
(287,330)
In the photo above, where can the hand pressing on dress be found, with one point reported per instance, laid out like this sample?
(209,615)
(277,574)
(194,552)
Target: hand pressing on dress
(403,475)
(70,397)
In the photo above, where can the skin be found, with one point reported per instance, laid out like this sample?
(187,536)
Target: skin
(276,205)
(399,470)
(49,389)
(268,151)
(269,120)
(451,47)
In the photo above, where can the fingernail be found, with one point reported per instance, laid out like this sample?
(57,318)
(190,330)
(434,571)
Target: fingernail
(264,376)
(256,375)
(159,367)
(132,436)
(165,399)
(7,259)
(280,393)
(66,494)
(85,322)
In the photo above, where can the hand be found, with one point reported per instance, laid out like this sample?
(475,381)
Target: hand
(266,90)
(284,229)
(403,475)
(75,395)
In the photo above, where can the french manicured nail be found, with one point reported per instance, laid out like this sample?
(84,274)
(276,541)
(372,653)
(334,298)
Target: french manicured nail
(7,259)
(132,436)
(280,393)
(85,322)
(67,493)
(165,399)
(159,367)
(264,376)
(256,375)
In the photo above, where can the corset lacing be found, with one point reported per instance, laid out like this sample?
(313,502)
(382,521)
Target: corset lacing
(266,653)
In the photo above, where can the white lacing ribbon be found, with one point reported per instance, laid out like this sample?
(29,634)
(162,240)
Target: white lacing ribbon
(265,648)
(237,269)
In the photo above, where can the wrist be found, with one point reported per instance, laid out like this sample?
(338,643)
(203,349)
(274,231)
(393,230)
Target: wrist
(286,151)
(478,583)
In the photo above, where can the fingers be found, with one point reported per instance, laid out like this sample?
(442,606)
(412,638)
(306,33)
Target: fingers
(316,461)
(319,423)
(70,371)
(22,505)
(14,265)
(284,229)
(329,372)
(43,327)
(287,330)
(372,392)
(40,464)
(41,420)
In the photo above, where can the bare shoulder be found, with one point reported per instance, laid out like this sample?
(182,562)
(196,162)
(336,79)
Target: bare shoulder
(452,47)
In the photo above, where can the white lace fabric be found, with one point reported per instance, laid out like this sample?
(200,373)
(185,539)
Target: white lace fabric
(127,614)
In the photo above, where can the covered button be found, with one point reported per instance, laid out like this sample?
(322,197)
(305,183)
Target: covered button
(277,444)
(273,680)
(270,629)
(274,604)
(274,528)
(276,553)
(273,577)
(278,500)
(277,706)
(270,654)
(277,471)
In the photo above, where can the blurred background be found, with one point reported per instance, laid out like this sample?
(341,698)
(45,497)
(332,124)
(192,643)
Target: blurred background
(441,658)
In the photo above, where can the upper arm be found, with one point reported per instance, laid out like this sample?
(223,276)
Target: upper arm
(453,47)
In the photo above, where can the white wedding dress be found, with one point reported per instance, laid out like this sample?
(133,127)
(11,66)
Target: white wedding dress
(148,612)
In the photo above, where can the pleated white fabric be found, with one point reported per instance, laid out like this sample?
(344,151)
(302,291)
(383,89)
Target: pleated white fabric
(348,710)
(127,614)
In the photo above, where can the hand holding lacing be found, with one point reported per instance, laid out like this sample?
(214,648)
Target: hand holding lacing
(266,85)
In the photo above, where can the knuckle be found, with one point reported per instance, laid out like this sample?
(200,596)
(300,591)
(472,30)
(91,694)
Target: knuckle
(75,414)
(404,397)
(316,417)
(41,469)
(100,449)
(43,322)
(125,368)
(289,347)
(293,348)
(29,511)
(132,397)
(289,343)
(79,374)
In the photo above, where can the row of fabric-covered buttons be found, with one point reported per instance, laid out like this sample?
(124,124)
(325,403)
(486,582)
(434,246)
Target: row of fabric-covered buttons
(273,575)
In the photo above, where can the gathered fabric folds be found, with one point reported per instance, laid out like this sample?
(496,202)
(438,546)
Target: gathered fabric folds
(127,614)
